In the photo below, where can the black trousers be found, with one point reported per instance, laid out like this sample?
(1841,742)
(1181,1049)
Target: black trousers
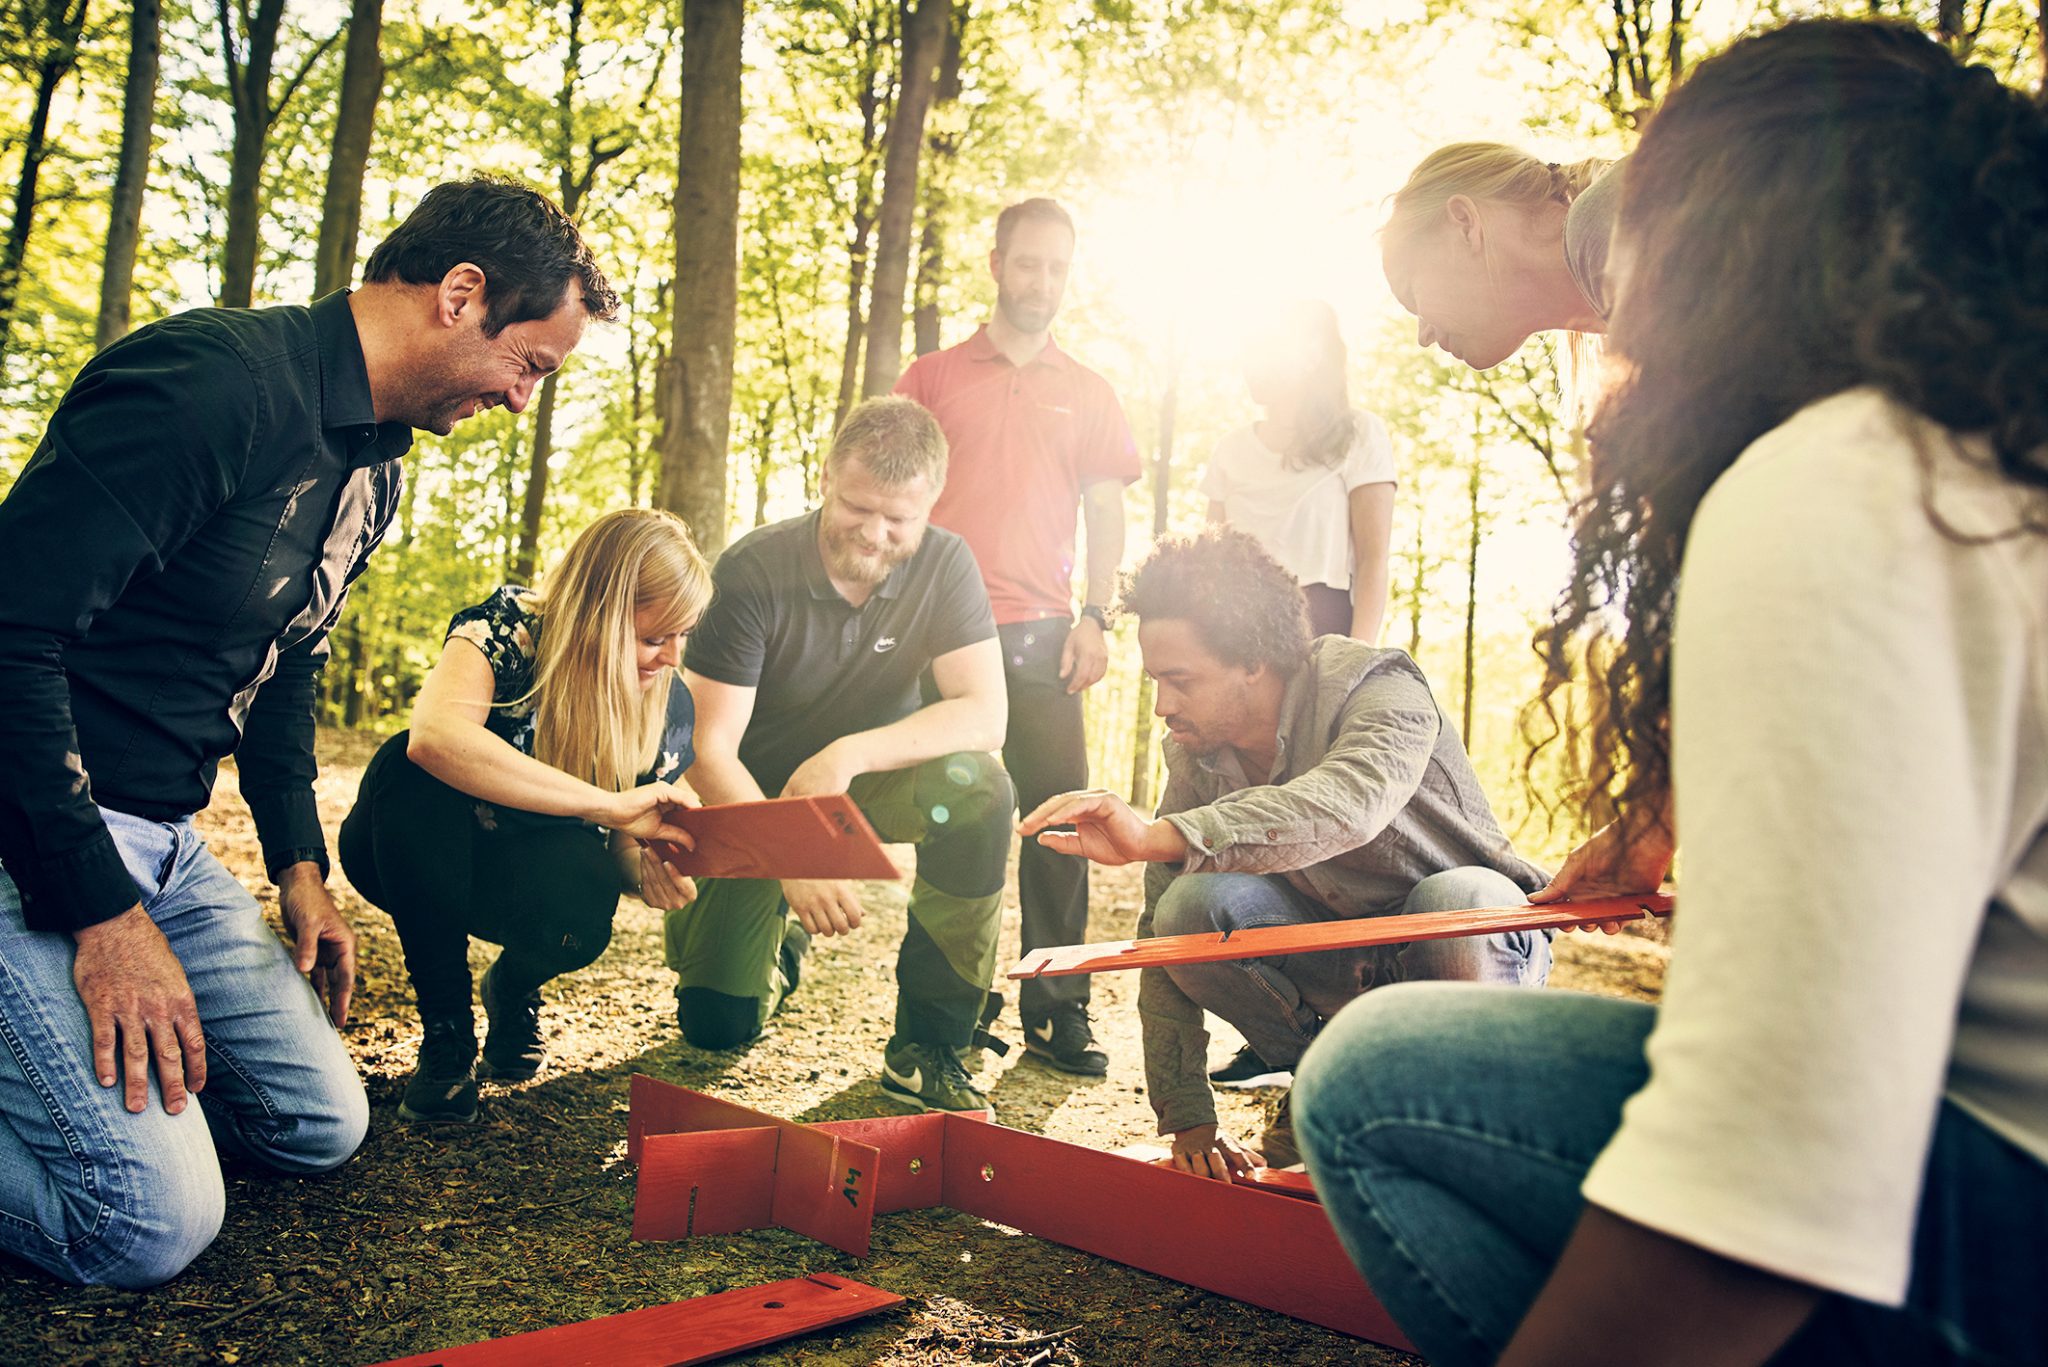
(445,866)
(1046,752)
(1329,610)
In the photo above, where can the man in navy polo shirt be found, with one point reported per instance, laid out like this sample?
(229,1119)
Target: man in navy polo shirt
(805,671)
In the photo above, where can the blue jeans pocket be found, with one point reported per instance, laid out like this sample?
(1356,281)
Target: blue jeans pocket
(148,849)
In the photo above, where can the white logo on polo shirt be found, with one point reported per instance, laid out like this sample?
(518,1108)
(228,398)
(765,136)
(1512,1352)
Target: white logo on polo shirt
(885,645)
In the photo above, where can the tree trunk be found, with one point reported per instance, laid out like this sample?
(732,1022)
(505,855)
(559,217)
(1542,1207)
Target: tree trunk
(863,224)
(943,148)
(59,32)
(533,505)
(924,34)
(573,185)
(1472,600)
(131,175)
(1415,591)
(707,209)
(341,210)
(255,115)
(1162,484)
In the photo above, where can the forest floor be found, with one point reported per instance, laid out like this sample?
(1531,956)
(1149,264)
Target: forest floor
(441,1236)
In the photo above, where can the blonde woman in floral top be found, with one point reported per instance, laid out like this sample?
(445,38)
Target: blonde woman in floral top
(547,748)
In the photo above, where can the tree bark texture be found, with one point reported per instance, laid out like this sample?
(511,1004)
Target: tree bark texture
(248,75)
(56,38)
(341,208)
(699,378)
(131,174)
(924,34)
(942,147)
(573,184)
(869,36)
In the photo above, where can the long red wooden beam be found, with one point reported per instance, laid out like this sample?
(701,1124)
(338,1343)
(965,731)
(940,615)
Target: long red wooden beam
(1065,960)
(700,1330)
(1242,1241)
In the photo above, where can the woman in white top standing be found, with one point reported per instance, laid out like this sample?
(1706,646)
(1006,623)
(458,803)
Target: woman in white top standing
(1313,480)
(1818,524)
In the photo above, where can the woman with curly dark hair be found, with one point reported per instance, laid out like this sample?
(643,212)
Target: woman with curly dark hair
(1830,1142)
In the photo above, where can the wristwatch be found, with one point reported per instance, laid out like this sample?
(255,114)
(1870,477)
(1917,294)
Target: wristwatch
(1097,613)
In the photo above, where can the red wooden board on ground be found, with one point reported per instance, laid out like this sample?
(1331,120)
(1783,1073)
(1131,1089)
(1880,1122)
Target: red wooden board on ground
(1265,942)
(1238,1240)
(701,1330)
(783,837)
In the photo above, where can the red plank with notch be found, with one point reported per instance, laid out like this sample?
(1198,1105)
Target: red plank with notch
(1061,961)
(1235,1240)
(677,1196)
(780,837)
(1188,1228)
(822,1184)
(700,1330)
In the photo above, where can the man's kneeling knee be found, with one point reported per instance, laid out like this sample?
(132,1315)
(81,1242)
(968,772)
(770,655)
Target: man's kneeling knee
(717,1020)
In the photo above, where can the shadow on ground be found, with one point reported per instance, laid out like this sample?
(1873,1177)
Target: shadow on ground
(436,1237)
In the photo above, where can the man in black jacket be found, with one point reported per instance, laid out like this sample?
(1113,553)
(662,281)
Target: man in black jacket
(171,561)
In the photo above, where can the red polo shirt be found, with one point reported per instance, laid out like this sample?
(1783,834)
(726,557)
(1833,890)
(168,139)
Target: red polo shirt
(1024,441)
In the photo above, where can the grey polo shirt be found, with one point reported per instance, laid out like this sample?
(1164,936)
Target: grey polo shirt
(822,667)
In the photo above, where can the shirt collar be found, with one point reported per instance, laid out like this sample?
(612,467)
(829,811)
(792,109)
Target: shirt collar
(980,348)
(345,386)
(820,581)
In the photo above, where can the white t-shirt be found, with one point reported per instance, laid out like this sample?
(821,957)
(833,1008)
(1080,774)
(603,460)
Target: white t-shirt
(1860,753)
(1301,517)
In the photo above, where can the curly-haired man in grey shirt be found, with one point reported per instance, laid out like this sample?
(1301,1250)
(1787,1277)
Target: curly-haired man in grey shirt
(1306,781)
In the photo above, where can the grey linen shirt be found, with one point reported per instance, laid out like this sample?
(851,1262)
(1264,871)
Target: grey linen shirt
(1371,792)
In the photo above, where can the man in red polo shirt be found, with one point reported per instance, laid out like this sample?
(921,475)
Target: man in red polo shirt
(1035,436)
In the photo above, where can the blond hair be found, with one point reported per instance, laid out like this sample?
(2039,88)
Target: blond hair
(895,438)
(591,718)
(1491,171)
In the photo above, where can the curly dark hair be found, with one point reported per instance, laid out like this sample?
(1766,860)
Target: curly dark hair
(528,249)
(1829,205)
(1247,610)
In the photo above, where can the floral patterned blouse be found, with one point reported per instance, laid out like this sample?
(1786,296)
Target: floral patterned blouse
(504,628)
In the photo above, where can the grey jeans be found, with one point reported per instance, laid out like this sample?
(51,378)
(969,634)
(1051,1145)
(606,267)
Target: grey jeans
(1280,1004)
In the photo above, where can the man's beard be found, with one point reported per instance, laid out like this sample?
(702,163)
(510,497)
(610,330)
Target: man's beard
(1023,316)
(848,561)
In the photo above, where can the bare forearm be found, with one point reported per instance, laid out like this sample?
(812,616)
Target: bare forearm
(1104,507)
(468,758)
(719,778)
(940,728)
(1709,1310)
(1368,602)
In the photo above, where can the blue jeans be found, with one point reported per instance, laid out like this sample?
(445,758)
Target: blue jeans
(1279,1004)
(1448,1128)
(97,1195)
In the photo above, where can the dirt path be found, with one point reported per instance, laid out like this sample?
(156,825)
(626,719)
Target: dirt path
(430,1238)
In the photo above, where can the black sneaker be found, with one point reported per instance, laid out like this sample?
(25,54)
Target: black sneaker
(796,943)
(1066,1041)
(1278,1144)
(443,1087)
(928,1077)
(1247,1070)
(512,1049)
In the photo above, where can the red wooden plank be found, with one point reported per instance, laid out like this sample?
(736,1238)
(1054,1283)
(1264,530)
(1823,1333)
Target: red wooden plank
(823,1184)
(719,1182)
(700,1330)
(911,1153)
(1066,960)
(783,837)
(1236,1241)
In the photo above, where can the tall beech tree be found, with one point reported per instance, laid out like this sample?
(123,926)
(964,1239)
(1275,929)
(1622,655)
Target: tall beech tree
(50,31)
(698,376)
